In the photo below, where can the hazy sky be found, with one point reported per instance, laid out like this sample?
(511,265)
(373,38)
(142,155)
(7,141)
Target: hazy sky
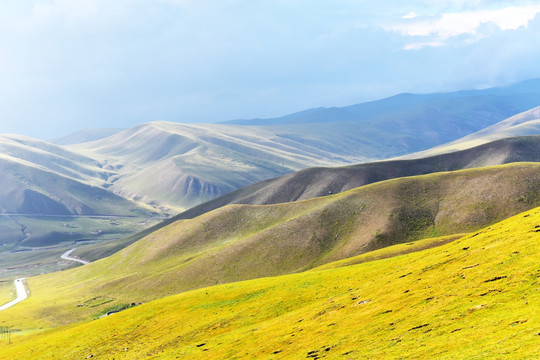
(66,65)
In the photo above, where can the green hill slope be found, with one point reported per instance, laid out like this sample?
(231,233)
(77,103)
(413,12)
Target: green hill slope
(473,298)
(244,242)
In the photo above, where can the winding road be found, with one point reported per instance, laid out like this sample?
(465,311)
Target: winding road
(22,289)
(22,293)
(66,256)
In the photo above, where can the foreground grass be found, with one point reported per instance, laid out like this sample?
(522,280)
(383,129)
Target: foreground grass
(392,251)
(474,298)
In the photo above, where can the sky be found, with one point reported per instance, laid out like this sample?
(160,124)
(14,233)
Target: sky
(67,65)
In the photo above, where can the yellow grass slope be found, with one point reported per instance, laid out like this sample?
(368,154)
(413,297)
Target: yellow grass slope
(475,298)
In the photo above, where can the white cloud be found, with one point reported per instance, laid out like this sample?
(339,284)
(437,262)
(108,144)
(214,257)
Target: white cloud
(420,45)
(410,15)
(438,30)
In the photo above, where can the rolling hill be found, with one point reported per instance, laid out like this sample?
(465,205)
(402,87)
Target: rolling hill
(314,182)
(182,165)
(472,298)
(41,178)
(242,242)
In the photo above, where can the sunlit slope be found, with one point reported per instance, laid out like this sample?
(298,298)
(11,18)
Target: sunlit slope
(474,298)
(525,123)
(182,165)
(313,182)
(42,178)
(244,242)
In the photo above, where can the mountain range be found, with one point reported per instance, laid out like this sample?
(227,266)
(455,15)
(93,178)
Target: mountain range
(370,259)
(170,167)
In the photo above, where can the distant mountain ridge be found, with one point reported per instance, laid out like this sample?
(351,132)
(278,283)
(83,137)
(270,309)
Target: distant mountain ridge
(183,165)
(525,123)
(173,167)
(510,100)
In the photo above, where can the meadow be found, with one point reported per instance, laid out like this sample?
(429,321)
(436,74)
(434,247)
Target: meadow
(472,298)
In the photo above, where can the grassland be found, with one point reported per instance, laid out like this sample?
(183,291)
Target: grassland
(391,251)
(244,242)
(473,298)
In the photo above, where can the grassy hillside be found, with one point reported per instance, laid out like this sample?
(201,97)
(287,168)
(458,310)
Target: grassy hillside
(313,182)
(243,242)
(6,291)
(473,298)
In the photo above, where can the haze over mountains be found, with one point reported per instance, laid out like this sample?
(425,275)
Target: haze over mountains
(177,166)
(525,123)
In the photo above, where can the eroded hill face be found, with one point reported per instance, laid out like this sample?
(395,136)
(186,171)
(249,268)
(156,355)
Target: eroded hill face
(314,182)
(473,298)
(181,165)
(172,167)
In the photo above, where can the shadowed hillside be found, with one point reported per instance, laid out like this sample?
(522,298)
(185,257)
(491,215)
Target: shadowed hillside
(241,242)
(313,182)
(473,298)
